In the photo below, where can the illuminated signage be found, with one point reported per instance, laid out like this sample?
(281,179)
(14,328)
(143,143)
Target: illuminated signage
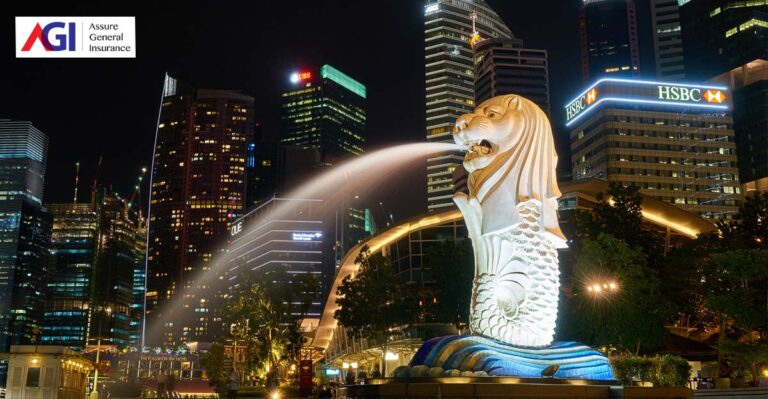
(431,8)
(307,236)
(331,372)
(297,77)
(645,92)
(236,229)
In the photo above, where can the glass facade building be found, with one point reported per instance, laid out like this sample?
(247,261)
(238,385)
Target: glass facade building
(198,186)
(450,81)
(609,39)
(505,66)
(667,39)
(324,110)
(676,142)
(25,232)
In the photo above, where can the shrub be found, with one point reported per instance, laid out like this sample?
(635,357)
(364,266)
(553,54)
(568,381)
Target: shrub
(632,368)
(672,371)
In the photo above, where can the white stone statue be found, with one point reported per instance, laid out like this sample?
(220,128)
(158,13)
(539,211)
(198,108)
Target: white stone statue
(511,215)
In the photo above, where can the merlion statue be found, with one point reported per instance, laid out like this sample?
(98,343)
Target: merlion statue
(511,215)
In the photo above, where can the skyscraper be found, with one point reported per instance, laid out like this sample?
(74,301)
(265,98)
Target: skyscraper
(505,66)
(609,39)
(25,232)
(674,141)
(90,291)
(727,42)
(197,187)
(450,81)
(667,40)
(324,110)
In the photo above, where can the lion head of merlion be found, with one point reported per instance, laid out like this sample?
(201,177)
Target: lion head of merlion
(511,160)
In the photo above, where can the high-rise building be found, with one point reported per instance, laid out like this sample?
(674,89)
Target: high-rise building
(90,290)
(324,110)
(610,44)
(261,173)
(667,40)
(69,291)
(198,186)
(294,236)
(674,141)
(505,66)
(720,35)
(450,81)
(25,232)
(727,42)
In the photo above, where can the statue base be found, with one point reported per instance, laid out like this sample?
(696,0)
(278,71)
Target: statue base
(477,356)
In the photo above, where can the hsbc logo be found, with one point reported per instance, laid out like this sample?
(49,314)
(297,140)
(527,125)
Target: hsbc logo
(75,37)
(690,94)
(581,103)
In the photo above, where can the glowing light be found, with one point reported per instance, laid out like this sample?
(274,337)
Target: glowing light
(643,82)
(35,360)
(354,365)
(591,96)
(641,101)
(391,356)
(275,395)
(714,96)
(345,365)
(297,77)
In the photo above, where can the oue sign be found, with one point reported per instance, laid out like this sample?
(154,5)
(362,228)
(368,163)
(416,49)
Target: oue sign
(236,229)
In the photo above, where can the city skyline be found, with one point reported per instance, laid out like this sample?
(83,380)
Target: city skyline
(120,98)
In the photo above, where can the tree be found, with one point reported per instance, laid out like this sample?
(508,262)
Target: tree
(618,212)
(215,368)
(265,318)
(630,316)
(375,299)
(451,267)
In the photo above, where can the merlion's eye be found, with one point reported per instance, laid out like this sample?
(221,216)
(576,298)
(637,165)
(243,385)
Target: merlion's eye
(492,114)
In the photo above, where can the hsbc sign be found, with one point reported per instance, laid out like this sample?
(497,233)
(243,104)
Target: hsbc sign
(690,94)
(635,93)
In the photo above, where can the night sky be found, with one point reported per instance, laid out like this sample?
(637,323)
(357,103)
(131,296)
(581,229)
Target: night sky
(109,107)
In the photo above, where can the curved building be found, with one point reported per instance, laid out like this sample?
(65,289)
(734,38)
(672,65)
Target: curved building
(450,80)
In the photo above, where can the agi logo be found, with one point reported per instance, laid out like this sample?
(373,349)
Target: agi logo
(63,35)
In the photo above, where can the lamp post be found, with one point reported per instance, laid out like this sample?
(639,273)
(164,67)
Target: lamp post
(95,392)
(603,290)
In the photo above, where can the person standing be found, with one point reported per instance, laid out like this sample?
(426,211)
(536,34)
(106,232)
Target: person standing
(161,380)
(170,385)
(233,384)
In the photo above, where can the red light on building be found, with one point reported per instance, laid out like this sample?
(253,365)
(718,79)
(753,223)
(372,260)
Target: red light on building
(302,76)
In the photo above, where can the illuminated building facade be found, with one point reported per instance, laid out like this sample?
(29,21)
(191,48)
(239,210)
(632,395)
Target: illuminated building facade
(727,42)
(450,81)
(25,232)
(91,289)
(290,235)
(674,141)
(324,110)
(198,186)
(719,35)
(609,39)
(667,40)
(505,66)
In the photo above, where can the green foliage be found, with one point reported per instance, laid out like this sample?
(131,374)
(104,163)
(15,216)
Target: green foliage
(672,371)
(215,368)
(630,317)
(747,358)
(618,213)
(452,268)
(375,299)
(633,368)
(663,371)
(265,319)
(738,300)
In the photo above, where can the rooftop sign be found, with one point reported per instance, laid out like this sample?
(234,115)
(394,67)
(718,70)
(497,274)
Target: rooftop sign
(645,92)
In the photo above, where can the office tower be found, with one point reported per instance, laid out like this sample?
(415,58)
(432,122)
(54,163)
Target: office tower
(25,232)
(450,81)
(69,293)
(720,35)
(294,236)
(197,188)
(609,39)
(505,66)
(90,292)
(727,42)
(674,141)
(324,110)
(667,40)
(261,173)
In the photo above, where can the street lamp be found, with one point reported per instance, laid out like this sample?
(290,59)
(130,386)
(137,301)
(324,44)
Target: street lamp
(603,289)
(95,392)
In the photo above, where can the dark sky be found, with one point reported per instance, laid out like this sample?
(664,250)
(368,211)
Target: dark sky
(109,107)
